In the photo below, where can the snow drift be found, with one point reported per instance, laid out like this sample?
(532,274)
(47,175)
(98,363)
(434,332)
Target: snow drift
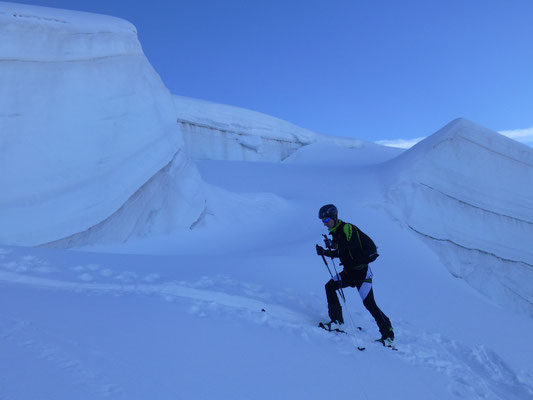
(85,122)
(467,191)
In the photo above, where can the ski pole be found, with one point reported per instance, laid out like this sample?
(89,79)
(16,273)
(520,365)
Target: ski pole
(327,266)
(340,280)
(330,274)
(328,244)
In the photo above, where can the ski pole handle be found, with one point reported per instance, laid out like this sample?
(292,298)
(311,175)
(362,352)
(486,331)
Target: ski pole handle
(328,242)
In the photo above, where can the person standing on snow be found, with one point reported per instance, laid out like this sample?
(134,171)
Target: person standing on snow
(351,246)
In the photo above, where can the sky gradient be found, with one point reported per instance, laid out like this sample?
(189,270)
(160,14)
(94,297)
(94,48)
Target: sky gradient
(380,70)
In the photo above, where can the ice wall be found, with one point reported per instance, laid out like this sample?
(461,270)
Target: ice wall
(222,132)
(215,131)
(467,191)
(85,122)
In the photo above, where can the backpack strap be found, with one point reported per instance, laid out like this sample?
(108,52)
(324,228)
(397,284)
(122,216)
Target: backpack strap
(359,237)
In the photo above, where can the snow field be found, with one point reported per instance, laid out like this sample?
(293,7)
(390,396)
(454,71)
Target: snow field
(84,338)
(199,313)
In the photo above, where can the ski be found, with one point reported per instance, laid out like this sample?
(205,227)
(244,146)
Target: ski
(390,346)
(327,327)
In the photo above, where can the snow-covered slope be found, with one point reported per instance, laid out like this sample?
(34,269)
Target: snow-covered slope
(468,192)
(214,131)
(230,310)
(357,153)
(85,122)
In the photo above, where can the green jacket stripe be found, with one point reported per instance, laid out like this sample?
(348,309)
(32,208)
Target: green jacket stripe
(348,231)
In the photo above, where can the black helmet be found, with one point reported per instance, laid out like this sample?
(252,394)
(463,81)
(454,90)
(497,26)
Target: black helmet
(329,210)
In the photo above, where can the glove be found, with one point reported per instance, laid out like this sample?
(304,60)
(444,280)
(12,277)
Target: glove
(323,252)
(320,250)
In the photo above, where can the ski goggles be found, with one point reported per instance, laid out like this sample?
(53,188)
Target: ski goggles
(326,220)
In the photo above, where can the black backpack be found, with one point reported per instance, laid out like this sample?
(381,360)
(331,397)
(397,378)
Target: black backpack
(370,250)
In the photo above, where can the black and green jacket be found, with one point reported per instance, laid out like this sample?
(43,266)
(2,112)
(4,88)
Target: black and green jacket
(351,245)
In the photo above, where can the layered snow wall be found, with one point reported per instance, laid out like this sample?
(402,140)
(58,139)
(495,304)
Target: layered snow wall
(215,131)
(85,122)
(467,191)
(221,132)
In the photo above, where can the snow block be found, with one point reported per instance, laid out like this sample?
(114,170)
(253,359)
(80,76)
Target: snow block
(85,122)
(467,191)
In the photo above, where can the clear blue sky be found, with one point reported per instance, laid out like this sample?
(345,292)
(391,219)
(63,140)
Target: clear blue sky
(367,69)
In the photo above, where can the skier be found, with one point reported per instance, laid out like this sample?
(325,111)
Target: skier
(352,247)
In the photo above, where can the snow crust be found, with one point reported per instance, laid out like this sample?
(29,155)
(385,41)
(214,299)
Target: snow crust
(85,122)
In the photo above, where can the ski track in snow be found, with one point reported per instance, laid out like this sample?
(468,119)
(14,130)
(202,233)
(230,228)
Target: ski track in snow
(476,372)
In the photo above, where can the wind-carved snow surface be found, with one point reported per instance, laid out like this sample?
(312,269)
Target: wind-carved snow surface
(215,131)
(220,132)
(159,207)
(467,191)
(85,122)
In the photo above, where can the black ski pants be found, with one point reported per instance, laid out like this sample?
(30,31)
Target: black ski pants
(362,280)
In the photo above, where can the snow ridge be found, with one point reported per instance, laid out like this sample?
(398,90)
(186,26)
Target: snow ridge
(463,187)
